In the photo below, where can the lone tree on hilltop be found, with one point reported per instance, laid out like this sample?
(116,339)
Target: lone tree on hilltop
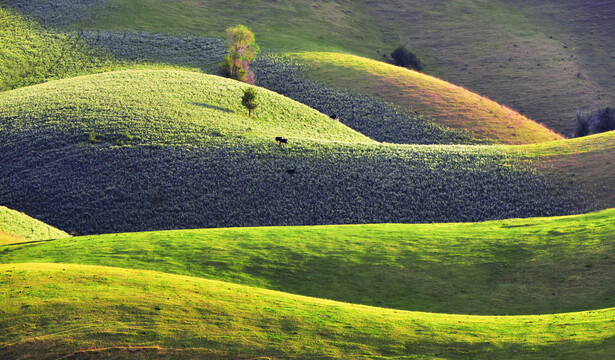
(242,49)
(249,100)
(405,58)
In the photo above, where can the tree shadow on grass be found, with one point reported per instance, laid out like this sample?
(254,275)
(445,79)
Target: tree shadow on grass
(214,107)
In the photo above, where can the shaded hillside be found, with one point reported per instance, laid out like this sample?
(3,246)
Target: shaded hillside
(76,311)
(145,150)
(587,160)
(586,28)
(508,267)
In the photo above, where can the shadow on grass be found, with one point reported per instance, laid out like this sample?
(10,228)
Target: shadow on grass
(421,348)
(213,107)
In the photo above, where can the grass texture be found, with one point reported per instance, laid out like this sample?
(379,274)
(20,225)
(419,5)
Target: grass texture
(587,160)
(162,107)
(521,266)
(32,54)
(55,310)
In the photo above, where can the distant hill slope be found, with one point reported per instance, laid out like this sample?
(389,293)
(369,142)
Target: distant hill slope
(452,106)
(507,267)
(77,311)
(34,53)
(151,150)
(17,227)
(544,59)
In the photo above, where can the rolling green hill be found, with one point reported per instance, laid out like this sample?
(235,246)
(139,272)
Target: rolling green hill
(521,266)
(75,311)
(153,150)
(161,107)
(18,227)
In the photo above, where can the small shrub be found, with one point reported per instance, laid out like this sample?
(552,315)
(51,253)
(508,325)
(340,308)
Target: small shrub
(94,137)
(405,58)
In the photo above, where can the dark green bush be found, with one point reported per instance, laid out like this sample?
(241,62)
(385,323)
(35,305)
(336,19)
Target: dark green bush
(595,121)
(405,58)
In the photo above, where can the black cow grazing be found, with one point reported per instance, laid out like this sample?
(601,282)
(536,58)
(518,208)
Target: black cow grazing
(291,171)
(335,117)
(281,140)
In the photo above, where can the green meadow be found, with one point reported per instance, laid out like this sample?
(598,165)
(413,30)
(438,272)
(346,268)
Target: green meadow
(52,310)
(521,266)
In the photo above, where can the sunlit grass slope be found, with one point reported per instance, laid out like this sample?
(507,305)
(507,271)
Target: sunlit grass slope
(161,107)
(56,310)
(32,53)
(18,227)
(451,105)
(522,266)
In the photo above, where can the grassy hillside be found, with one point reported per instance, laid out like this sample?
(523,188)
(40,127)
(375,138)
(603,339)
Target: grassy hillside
(33,53)
(152,150)
(450,105)
(522,266)
(17,227)
(56,310)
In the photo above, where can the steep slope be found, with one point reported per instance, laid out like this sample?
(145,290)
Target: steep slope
(75,311)
(508,267)
(452,106)
(18,227)
(151,150)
